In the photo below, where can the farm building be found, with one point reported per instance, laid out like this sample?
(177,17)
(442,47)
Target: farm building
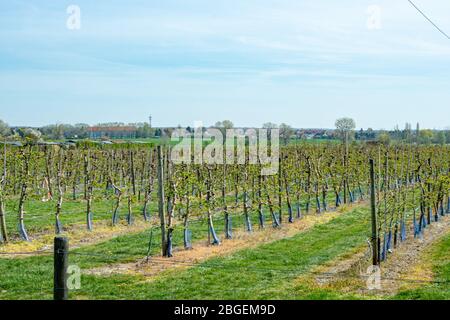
(113,132)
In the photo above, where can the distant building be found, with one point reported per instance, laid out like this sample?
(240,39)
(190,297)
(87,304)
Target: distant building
(113,132)
(314,134)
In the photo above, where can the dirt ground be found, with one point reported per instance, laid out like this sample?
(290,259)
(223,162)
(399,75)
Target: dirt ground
(202,251)
(405,267)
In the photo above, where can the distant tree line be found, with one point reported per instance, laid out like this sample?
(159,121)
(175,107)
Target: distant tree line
(345,130)
(409,135)
(68,131)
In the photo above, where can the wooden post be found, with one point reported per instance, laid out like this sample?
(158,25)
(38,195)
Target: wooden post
(346,162)
(133,174)
(161,206)
(4,163)
(149,250)
(209,234)
(280,189)
(429,192)
(61,250)
(374,214)
(3,231)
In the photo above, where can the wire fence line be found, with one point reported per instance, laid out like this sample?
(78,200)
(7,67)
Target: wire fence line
(282,273)
(25,253)
(262,287)
(288,270)
(429,20)
(296,271)
(202,219)
(116,255)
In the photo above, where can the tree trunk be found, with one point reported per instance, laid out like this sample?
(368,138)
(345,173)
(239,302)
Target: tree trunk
(161,199)
(133,174)
(22,229)
(23,194)
(280,191)
(130,211)
(228,223)
(3,230)
(58,225)
(260,206)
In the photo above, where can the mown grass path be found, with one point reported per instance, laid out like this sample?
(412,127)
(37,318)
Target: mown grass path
(437,259)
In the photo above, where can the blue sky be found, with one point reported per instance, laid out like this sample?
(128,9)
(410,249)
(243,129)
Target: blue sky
(305,63)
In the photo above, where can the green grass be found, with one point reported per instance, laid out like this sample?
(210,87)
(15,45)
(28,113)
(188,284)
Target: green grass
(264,272)
(269,271)
(439,256)
(40,216)
(31,278)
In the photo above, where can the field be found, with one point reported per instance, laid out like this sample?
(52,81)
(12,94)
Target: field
(228,232)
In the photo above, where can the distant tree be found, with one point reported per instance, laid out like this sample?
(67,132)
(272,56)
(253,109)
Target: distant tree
(370,134)
(396,134)
(225,124)
(426,136)
(417,132)
(145,131)
(286,133)
(31,135)
(344,128)
(4,129)
(447,135)
(58,131)
(407,132)
(440,137)
(270,125)
(360,135)
(384,138)
(80,131)
(167,132)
